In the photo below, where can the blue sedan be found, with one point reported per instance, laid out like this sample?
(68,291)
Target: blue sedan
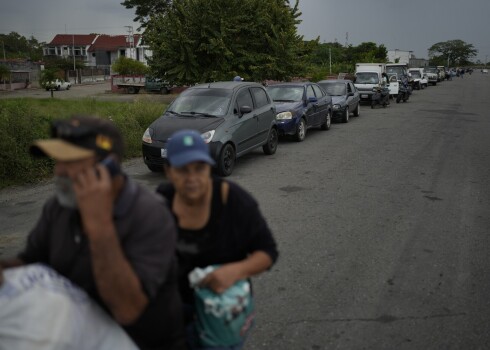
(300,106)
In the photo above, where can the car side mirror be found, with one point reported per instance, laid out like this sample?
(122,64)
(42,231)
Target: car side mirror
(245,110)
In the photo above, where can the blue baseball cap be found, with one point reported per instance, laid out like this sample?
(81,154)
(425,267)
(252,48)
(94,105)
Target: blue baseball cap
(187,146)
(238,78)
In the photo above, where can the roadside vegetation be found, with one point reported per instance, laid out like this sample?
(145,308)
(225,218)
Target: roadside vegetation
(24,120)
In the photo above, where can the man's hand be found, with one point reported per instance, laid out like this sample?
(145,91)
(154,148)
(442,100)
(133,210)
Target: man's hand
(93,188)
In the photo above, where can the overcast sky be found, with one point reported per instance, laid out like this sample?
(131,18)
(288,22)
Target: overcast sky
(411,25)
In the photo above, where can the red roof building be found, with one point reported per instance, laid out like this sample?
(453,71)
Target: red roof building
(97,50)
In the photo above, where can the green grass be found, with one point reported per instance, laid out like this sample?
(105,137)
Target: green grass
(24,120)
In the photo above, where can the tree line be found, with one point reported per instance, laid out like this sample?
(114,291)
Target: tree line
(210,40)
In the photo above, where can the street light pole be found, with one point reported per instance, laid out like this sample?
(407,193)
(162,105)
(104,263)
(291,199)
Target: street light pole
(5,60)
(73,53)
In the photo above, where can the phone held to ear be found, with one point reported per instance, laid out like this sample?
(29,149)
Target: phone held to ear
(112,166)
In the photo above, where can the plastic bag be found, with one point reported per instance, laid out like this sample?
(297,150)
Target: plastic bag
(222,319)
(39,309)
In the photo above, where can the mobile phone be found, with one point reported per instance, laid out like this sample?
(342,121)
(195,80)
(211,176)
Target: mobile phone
(112,166)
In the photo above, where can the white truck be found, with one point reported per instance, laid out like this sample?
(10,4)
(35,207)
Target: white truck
(419,78)
(369,77)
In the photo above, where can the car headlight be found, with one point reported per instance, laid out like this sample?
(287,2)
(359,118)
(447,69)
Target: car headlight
(336,107)
(147,136)
(284,115)
(208,136)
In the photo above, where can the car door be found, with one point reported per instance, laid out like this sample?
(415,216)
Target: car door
(311,107)
(351,98)
(244,127)
(264,112)
(322,104)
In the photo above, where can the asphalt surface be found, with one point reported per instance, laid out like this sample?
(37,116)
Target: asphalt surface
(382,226)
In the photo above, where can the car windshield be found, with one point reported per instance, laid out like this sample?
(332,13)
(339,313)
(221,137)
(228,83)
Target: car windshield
(367,78)
(286,93)
(334,89)
(431,70)
(208,102)
(415,74)
(399,71)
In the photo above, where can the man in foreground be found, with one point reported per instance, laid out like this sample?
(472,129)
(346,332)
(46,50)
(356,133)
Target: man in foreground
(107,235)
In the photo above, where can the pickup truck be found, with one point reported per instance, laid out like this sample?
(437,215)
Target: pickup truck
(58,85)
(134,84)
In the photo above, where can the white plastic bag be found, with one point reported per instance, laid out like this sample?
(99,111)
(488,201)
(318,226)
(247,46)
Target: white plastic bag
(39,309)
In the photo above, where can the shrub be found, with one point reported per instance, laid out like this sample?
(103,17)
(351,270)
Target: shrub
(24,120)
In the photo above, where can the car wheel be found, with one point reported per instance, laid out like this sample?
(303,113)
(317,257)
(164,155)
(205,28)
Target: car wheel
(68,87)
(271,146)
(58,88)
(131,90)
(164,91)
(328,122)
(301,131)
(155,168)
(345,119)
(226,161)
(357,111)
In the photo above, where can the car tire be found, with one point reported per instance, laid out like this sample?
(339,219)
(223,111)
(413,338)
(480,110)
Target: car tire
(270,146)
(301,131)
(155,168)
(131,90)
(68,87)
(357,111)
(345,118)
(58,88)
(164,91)
(328,122)
(226,161)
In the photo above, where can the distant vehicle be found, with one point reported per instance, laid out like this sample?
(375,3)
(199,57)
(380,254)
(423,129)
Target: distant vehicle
(442,73)
(419,78)
(369,79)
(300,106)
(345,98)
(234,118)
(484,71)
(133,85)
(58,84)
(432,74)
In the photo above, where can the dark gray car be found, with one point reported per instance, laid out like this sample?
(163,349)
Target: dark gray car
(345,98)
(233,117)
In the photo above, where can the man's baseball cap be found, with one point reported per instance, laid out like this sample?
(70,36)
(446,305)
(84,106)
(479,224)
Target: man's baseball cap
(238,78)
(80,137)
(187,146)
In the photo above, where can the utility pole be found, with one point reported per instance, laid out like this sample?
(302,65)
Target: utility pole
(130,39)
(5,61)
(73,53)
(330,58)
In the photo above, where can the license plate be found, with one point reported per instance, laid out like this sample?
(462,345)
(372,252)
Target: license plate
(364,96)
(164,153)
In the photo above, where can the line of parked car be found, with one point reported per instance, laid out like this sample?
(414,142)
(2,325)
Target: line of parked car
(236,117)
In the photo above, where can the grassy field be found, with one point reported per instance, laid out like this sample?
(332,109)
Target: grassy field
(25,120)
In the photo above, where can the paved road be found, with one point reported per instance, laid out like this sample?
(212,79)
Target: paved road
(382,225)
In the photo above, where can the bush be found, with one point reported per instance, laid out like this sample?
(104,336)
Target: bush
(24,120)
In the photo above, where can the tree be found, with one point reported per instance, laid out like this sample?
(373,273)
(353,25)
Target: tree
(128,66)
(208,40)
(4,73)
(17,46)
(48,76)
(146,9)
(452,52)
